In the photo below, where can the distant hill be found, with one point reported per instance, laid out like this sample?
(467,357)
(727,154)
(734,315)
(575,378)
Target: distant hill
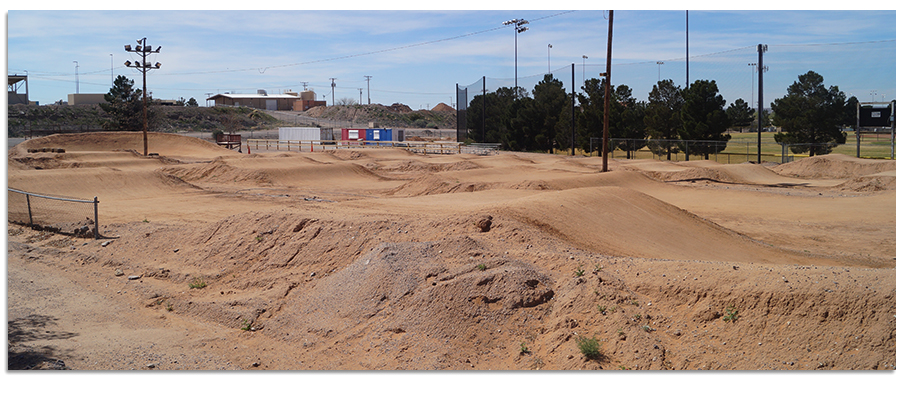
(396,115)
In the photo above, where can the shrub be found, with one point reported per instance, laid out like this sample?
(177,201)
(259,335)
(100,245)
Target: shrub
(589,347)
(481,267)
(197,283)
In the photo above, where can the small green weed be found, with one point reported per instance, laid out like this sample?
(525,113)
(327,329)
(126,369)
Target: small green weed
(646,328)
(637,317)
(612,309)
(246,325)
(523,349)
(589,347)
(169,306)
(145,220)
(731,314)
(597,267)
(579,271)
(197,283)
(602,309)
(620,332)
(635,303)
(259,238)
(481,267)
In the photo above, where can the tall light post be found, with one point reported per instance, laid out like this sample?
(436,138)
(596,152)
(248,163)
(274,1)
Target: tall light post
(659,70)
(111,80)
(368,90)
(143,66)
(583,58)
(76,77)
(548,57)
(332,90)
(519,28)
(752,72)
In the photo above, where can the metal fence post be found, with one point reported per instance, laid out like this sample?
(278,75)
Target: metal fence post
(96,218)
(30,219)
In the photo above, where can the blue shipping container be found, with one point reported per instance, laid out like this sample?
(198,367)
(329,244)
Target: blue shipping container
(379,134)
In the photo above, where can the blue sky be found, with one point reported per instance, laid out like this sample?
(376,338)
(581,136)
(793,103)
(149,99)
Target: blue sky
(418,57)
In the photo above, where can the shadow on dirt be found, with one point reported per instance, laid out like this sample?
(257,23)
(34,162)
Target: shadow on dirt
(33,328)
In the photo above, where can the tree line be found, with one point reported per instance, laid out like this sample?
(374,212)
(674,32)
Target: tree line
(542,121)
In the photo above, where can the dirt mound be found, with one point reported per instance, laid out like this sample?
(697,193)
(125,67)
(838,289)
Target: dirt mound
(623,222)
(877,182)
(834,166)
(217,171)
(442,107)
(399,108)
(163,144)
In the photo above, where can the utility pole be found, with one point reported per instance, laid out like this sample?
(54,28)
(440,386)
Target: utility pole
(573,109)
(368,90)
(606,100)
(360,95)
(687,56)
(483,105)
(761,49)
(143,66)
(332,90)
(111,80)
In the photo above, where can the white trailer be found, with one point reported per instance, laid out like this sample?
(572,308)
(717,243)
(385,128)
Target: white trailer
(299,134)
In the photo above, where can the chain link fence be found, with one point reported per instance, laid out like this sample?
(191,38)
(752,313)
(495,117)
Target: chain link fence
(67,215)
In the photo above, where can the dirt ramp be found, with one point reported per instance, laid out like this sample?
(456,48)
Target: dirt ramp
(834,166)
(623,222)
(161,143)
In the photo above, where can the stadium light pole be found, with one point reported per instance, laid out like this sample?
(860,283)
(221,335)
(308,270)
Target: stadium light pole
(332,90)
(76,77)
(143,50)
(368,90)
(112,81)
(752,72)
(659,70)
(583,58)
(548,57)
(519,28)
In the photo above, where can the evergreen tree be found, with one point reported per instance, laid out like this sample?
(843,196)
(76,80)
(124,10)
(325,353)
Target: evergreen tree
(549,100)
(124,107)
(740,114)
(663,116)
(810,116)
(703,118)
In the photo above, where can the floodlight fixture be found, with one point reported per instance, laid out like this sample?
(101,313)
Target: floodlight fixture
(128,48)
(127,63)
(158,64)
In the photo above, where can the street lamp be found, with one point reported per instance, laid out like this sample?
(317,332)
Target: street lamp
(752,72)
(519,28)
(583,58)
(76,76)
(658,68)
(143,66)
(548,57)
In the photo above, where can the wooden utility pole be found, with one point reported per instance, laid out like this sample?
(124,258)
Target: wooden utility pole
(143,50)
(606,99)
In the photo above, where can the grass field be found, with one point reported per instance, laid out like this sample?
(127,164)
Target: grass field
(742,148)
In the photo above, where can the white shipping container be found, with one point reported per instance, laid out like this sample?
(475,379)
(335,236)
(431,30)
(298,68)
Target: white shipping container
(299,133)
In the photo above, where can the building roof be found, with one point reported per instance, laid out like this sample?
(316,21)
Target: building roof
(268,96)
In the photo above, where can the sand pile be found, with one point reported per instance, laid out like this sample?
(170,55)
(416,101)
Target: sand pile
(834,166)
(442,107)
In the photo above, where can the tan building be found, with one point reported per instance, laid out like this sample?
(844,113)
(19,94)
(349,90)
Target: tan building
(260,100)
(86,99)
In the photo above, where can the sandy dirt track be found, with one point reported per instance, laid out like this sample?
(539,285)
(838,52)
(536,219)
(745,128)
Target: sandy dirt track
(371,259)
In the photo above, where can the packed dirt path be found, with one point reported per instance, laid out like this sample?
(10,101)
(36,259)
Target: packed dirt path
(384,259)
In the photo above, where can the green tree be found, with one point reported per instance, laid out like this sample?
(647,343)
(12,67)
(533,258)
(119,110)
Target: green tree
(192,102)
(589,114)
(550,99)
(740,114)
(626,118)
(703,118)
(663,116)
(124,107)
(850,112)
(810,116)
(497,108)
